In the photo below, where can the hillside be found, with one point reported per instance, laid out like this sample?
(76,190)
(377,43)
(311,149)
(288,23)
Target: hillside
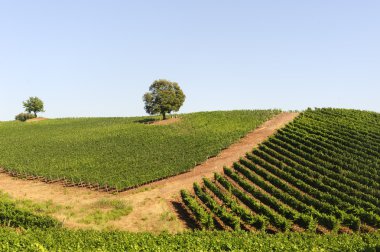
(319,173)
(119,152)
(151,204)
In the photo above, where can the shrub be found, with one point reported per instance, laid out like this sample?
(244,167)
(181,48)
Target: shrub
(24,116)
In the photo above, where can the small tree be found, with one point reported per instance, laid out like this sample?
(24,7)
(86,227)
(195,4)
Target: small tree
(34,104)
(164,97)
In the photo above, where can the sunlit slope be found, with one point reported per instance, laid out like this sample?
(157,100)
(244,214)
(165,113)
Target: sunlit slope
(120,152)
(319,173)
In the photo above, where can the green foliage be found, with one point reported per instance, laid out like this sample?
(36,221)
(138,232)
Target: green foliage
(107,210)
(228,218)
(276,219)
(120,152)
(64,240)
(34,104)
(321,169)
(164,97)
(205,220)
(12,216)
(257,221)
(24,116)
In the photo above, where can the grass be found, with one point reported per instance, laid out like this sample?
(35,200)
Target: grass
(107,210)
(43,208)
(167,216)
(96,215)
(120,152)
(25,214)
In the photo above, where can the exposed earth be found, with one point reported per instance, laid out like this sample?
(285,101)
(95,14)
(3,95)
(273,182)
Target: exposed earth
(36,119)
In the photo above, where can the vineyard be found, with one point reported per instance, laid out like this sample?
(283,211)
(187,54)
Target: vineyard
(318,174)
(119,153)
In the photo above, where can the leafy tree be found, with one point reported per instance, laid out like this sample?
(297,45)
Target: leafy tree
(164,97)
(34,104)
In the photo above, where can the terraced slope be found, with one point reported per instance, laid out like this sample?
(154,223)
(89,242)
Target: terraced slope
(119,152)
(319,173)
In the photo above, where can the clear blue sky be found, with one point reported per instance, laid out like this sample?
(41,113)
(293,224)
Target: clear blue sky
(97,58)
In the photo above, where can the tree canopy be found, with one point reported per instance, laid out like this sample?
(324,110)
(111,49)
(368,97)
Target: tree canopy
(34,104)
(163,98)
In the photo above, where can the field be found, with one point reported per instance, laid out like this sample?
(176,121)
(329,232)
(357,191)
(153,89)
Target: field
(318,174)
(120,152)
(312,186)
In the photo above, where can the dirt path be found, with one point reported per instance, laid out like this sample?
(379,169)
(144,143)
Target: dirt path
(152,210)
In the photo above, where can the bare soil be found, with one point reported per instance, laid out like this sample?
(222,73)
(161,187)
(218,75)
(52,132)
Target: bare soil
(36,119)
(153,209)
(167,121)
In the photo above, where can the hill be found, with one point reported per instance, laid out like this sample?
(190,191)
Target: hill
(319,173)
(119,152)
(152,208)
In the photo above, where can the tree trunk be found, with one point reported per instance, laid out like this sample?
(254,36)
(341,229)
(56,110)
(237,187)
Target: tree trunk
(163,115)
(35,114)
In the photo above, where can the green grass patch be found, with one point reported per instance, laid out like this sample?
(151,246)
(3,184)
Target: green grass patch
(43,208)
(25,214)
(106,210)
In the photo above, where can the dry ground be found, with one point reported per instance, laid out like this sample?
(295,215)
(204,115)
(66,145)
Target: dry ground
(167,121)
(36,119)
(151,204)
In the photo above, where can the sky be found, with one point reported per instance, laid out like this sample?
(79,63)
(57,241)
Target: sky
(88,58)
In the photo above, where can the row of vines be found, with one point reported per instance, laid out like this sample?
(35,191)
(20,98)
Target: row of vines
(320,173)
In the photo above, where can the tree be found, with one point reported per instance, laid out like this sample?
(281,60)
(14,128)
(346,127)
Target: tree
(164,97)
(34,104)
